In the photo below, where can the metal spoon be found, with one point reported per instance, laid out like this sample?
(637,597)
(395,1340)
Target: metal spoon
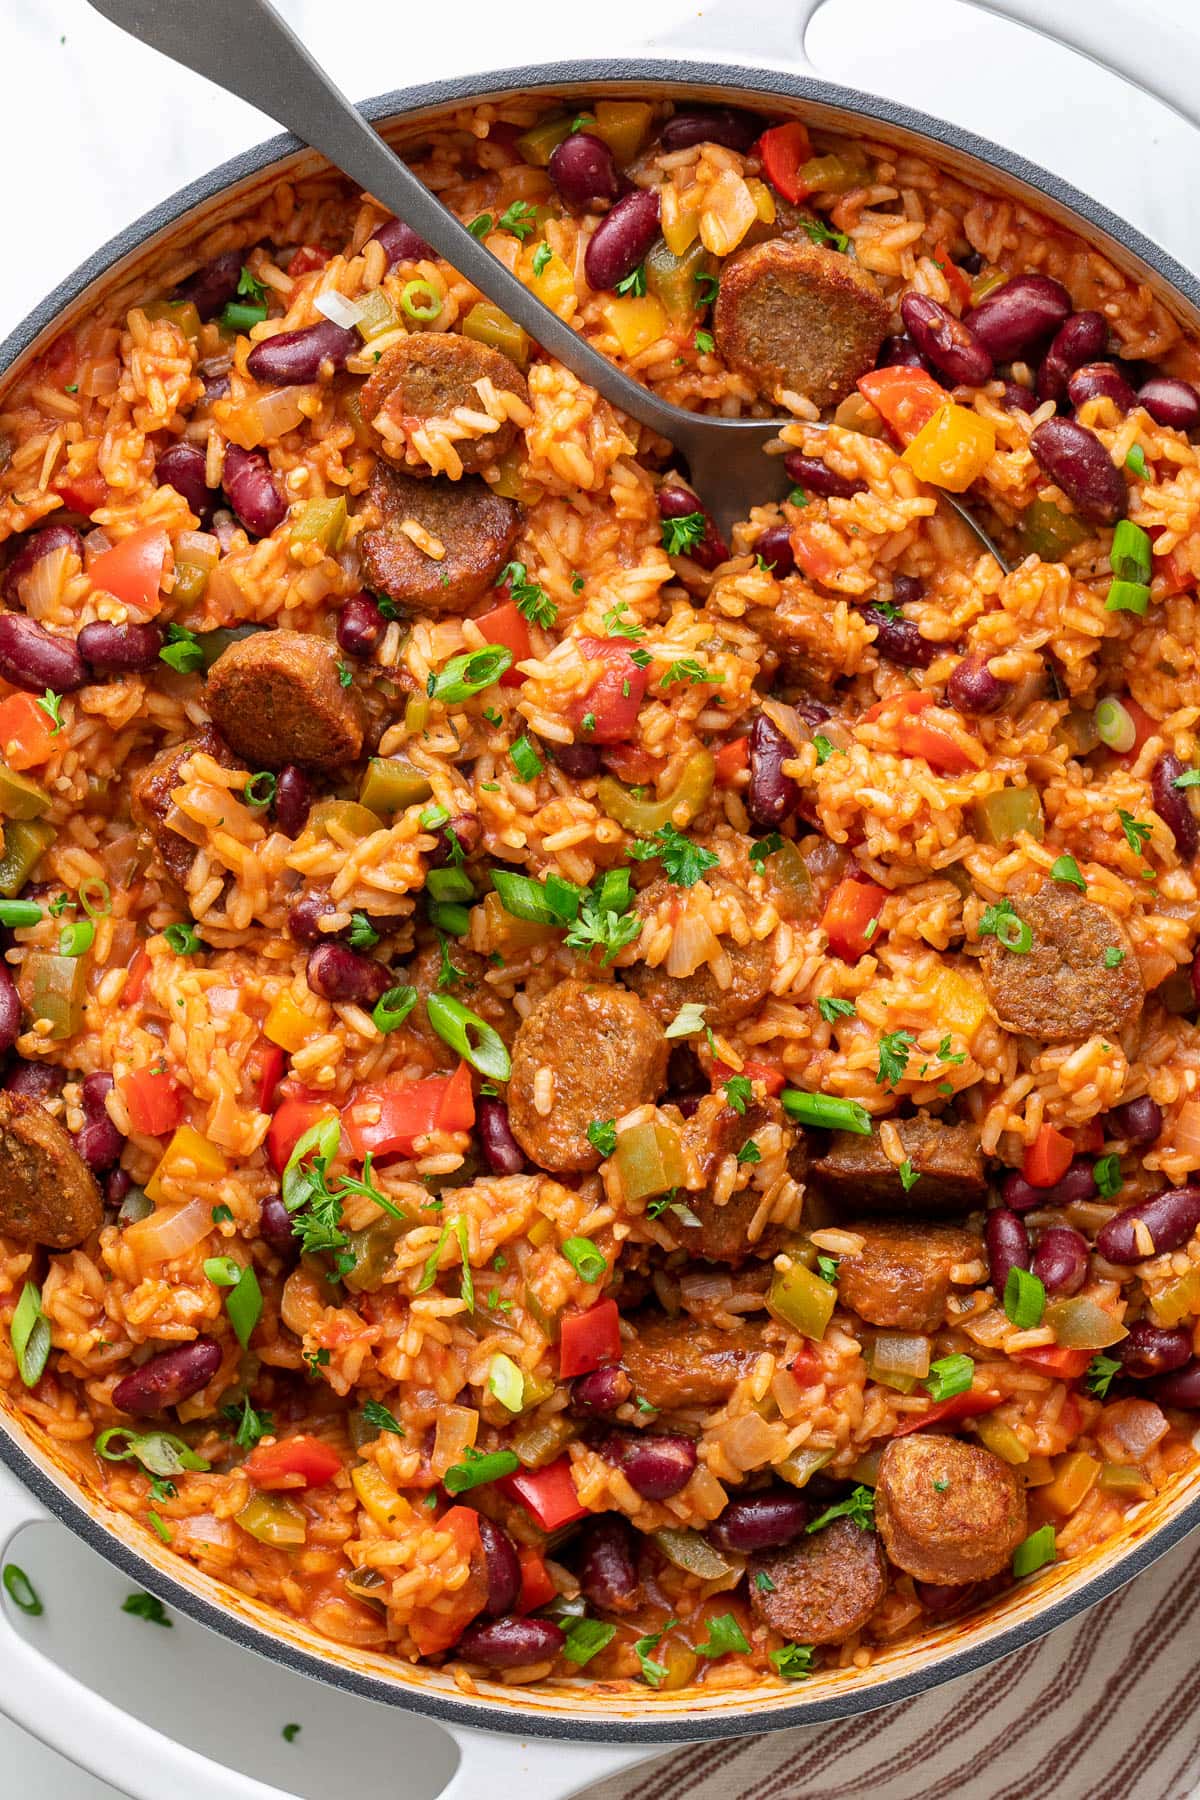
(245,47)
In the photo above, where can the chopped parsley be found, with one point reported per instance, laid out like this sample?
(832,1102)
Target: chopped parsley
(248,1424)
(362,934)
(532,601)
(821,233)
(1099,1374)
(634,283)
(706,287)
(909,1176)
(146,1606)
(182,650)
(376,1414)
(793,1662)
(683,861)
(1113,958)
(1106,1172)
(541,256)
(827,1269)
(823,748)
(1135,831)
(617,625)
(51,705)
(1067,869)
(749,1152)
(763,847)
(704,343)
(1189,779)
(681,535)
(831,1008)
(518,219)
(222,1215)
(895,1048)
(290,1733)
(525,759)
(724,1635)
(738,1092)
(652,1672)
(859,1506)
(345,675)
(688,669)
(600,927)
(763,1582)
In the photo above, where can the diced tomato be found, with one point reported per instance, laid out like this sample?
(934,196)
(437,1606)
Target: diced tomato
(773,1079)
(506,625)
(132,570)
(82,493)
(925,737)
(1089,1138)
(906,398)
(959,1406)
(850,911)
(536,1585)
(1143,727)
(265,1068)
(814,558)
(387,1117)
(730,760)
(632,764)
(435,1628)
(608,712)
(783,150)
(139,968)
(295,1462)
(807,1367)
(957,280)
(152,1100)
(307,260)
(547,1494)
(293,1117)
(588,1339)
(25,732)
(1057,1360)
(1170,576)
(1048,1158)
(1070,1416)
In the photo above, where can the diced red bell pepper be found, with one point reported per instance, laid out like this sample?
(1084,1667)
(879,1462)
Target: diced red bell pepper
(152,1100)
(849,913)
(547,1494)
(264,1065)
(307,260)
(26,732)
(906,398)
(587,1339)
(135,985)
(730,760)
(132,570)
(632,764)
(506,625)
(921,736)
(536,1585)
(957,280)
(295,1462)
(293,1117)
(82,493)
(1089,1138)
(1048,1157)
(1170,576)
(611,703)
(435,1628)
(773,1079)
(387,1117)
(814,558)
(784,149)
(807,1367)
(959,1406)
(1057,1360)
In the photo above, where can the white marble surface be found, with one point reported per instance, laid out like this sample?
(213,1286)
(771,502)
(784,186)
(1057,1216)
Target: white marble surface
(97,129)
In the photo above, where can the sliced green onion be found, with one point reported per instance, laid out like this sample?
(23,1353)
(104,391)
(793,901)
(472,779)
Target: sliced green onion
(392,1008)
(525,760)
(260,789)
(1068,870)
(159,1524)
(478,1470)
(465,676)
(480,225)
(1115,726)
(449,917)
(240,315)
(613,891)
(586,1638)
(455,1024)
(1135,462)
(1024,1299)
(1106,1172)
(29,1332)
(1127,596)
(244,1305)
(16,913)
(95,897)
(538,903)
(585,1259)
(421,301)
(507,1382)
(432,817)
(1035,1552)
(77,939)
(21,1590)
(827,1111)
(222,1271)
(1014,934)
(1130,555)
(449,884)
(950,1375)
(184,941)
(159,1452)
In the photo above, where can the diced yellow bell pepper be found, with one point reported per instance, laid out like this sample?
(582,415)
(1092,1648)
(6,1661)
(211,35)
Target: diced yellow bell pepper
(960,1003)
(764,199)
(635,323)
(486,324)
(623,125)
(1037,1472)
(1178,1301)
(540,1231)
(273,1519)
(288,1025)
(1074,1476)
(1001,1440)
(180,312)
(952,449)
(389,1509)
(551,282)
(680,225)
(187,1149)
(650,1159)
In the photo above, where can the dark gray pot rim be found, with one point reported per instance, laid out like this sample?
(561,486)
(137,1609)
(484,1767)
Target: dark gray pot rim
(488,1715)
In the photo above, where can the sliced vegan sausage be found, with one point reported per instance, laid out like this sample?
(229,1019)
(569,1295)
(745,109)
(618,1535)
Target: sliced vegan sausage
(48,1195)
(427,375)
(946,1159)
(587,1051)
(901,1278)
(277,698)
(820,1589)
(1063,988)
(476,528)
(798,315)
(948,1512)
(715,1131)
(752,965)
(676,1362)
(150,798)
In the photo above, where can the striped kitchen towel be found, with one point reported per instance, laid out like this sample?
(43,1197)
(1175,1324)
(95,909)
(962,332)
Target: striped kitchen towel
(1107,1708)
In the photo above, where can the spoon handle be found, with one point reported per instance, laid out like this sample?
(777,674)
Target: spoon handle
(245,47)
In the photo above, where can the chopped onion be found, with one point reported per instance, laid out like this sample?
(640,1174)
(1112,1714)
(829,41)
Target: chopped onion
(199,548)
(693,943)
(457,1427)
(165,1235)
(278,412)
(901,1353)
(1186,1134)
(100,377)
(42,588)
(96,543)
(335,306)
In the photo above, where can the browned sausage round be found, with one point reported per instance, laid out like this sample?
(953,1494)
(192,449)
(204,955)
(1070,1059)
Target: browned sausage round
(824,1587)
(1063,989)
(150,799)
(428,374)
(901,1279)
(48,1194)
(468,984)
(948,1512)
(753,965)
(714,1132)
(475,527)
(599,1053)
(797,315)
(946,1159)
(277,697)
(675,1362)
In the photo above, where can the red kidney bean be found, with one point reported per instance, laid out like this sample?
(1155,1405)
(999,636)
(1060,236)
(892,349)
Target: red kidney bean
(36,545)
(1100,380)
(900,641)
(710,125)
(275,1227)
(10,1012)
(1015,398)
(1170,401)
(120,649)
(1172,805)
(678,502)
(813,712)
(771,795)
(212,286)
(972,262)
(1169,1217)
(401,243)
(656,1464)
(949,343)
(303,918)
(939,1600)
(216,385)
(98,1142)
(1022,313)
(1008,1245)
(1140,1121)
(583,170)
(168,1378)
(1060,1261)
(501,1151)
(774,546)
(906,589)
(1181,1388)
(116,1185)
(1073,457)
(621,239)
(577,761)
(601,1391)
(973,688)
(759,1523)
(511,1643)
(337,973)
(1079,1183)
(33,659)
(38,1080)
(810,473)
(1153,1350)
(182,467)
(252,492)
(1081,340)
(607,1573)
(293,797)
(899,352)
(503,1567)
(360,626)
(465,827)
(293,357)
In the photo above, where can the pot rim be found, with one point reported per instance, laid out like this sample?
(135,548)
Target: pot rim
(64,1498)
